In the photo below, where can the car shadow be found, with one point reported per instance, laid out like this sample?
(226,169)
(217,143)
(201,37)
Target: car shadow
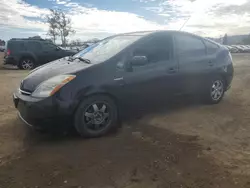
(128,117)
(160,107)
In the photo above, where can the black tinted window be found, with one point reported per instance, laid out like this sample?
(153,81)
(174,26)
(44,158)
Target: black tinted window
(189,45)
(156,49)
(211,47)
(34,46)
(49,46)
(18,45)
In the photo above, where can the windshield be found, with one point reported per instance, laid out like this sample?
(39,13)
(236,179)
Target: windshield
(107,48)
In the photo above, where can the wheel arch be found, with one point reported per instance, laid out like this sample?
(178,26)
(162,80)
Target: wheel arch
(27,55)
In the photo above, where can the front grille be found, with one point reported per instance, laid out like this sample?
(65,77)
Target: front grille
(24,92)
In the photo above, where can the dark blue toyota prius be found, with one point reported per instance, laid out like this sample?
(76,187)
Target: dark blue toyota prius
(90,88)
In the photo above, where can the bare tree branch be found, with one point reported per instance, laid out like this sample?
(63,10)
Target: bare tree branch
(59,25)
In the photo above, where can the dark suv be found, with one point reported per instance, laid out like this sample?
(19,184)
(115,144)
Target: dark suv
(125,70)
(29,53)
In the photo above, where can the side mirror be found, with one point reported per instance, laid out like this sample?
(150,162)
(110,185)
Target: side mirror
(139,61)
(57,48)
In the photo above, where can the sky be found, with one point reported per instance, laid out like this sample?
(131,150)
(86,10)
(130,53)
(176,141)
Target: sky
(102,18)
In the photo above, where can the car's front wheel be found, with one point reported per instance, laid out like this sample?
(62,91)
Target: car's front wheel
(216,91)
(96,116)
(26,64)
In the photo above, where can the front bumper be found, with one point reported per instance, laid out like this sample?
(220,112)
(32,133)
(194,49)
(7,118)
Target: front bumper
(42,114)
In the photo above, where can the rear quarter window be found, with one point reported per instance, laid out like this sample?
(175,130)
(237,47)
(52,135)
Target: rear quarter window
(16,46)
(211,47)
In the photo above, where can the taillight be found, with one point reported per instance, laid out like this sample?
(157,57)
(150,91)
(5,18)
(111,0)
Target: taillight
(8,52)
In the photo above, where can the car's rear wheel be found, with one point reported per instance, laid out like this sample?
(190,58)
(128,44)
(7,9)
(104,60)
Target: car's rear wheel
(96,116)
(26,63)
(216,90)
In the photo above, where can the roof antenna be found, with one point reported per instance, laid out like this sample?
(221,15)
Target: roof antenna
(185,23)
(187,19)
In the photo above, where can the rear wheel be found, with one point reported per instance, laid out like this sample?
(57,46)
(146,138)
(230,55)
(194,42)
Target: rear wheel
(216,90)
(26,63)
(96,116)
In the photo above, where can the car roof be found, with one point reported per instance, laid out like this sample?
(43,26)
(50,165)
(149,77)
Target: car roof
(144,33)
(27,40)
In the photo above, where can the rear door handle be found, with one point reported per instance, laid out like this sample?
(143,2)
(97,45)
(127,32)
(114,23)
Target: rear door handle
(211,63)
(172,70)
(120,81)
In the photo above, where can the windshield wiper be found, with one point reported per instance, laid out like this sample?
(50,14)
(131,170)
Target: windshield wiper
(83,59)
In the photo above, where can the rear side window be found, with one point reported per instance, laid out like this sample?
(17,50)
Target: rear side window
(34,46)
(156,49)
(211,47)
(189,45)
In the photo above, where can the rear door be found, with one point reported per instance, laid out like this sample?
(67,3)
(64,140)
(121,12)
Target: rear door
(154,80)
(35,48)
(193,61)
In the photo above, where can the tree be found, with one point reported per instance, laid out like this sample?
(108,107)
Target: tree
(53,25)
(225,40)
(59,25)
(64,26)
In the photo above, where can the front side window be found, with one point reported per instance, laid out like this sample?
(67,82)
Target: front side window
(157,49)
(34,46)
(107,48)
(189,45)
(49,47)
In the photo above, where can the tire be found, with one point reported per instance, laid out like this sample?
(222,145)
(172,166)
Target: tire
(96,116)
(215,91)
(26,63)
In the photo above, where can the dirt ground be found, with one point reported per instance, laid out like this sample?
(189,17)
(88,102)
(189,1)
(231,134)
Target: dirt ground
(186,145)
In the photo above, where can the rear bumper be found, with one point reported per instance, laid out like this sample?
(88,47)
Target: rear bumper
(10,61)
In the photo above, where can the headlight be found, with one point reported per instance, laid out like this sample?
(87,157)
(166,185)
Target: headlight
(52,85)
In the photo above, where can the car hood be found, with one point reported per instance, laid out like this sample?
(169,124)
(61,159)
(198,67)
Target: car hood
(42,73)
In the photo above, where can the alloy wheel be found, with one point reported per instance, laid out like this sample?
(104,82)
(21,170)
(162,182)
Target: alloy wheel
(97,116)
(217,90)
(27,64)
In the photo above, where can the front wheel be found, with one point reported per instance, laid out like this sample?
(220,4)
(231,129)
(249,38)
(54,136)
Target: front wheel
(216,91)
(96,116)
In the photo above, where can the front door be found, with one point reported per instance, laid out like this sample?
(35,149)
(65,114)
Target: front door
(50,52)
(36,49)
(154,80)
